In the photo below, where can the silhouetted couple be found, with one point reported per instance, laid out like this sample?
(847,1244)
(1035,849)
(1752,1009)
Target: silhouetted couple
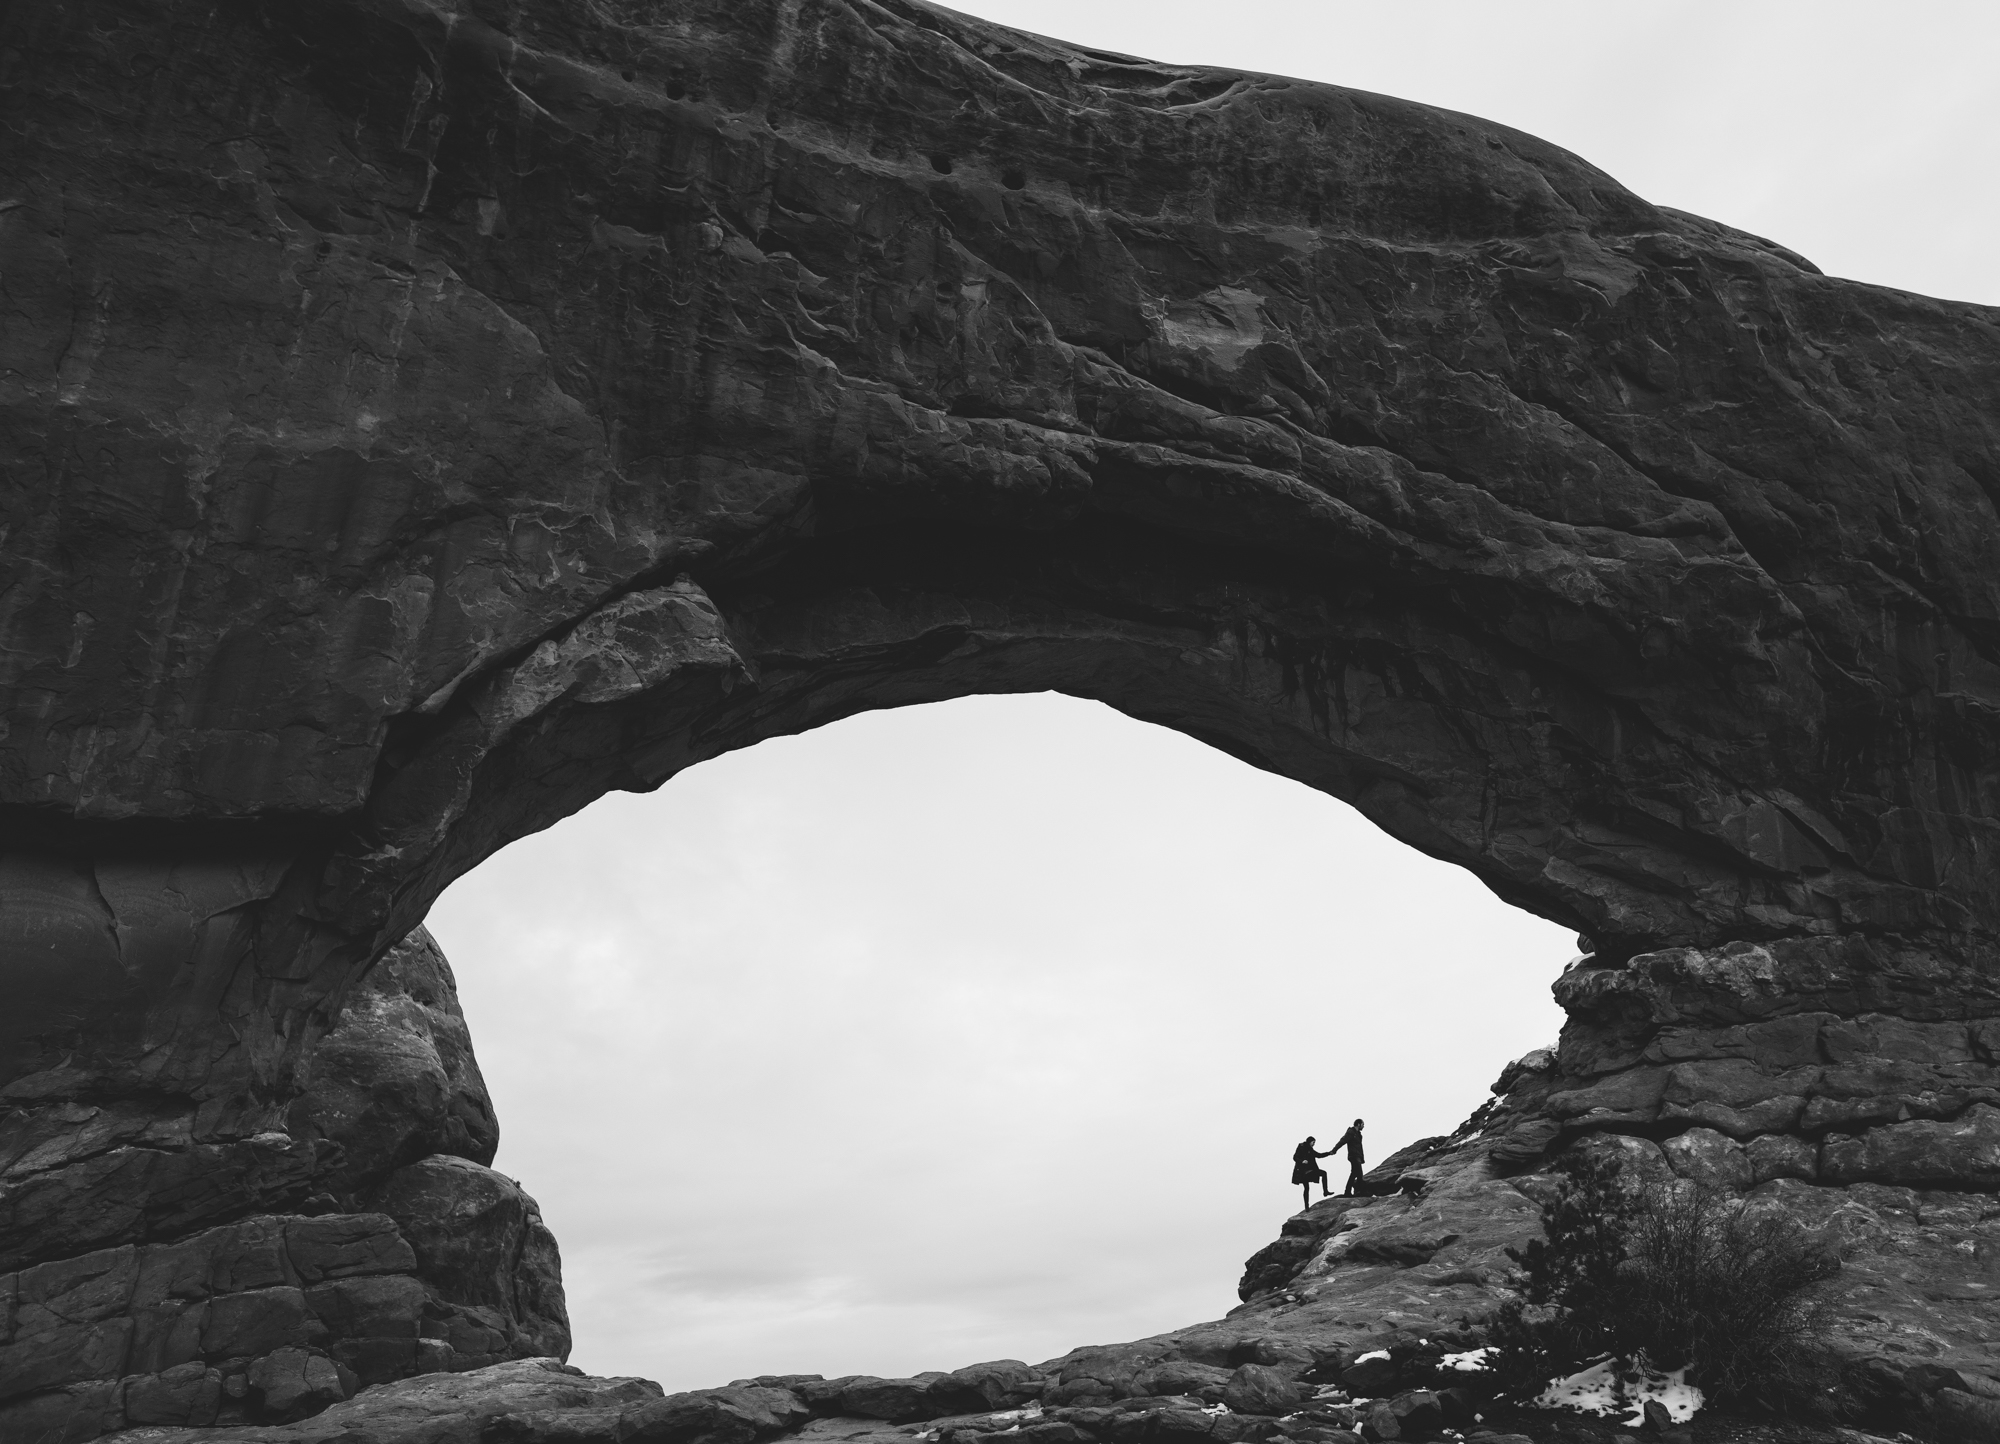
(1306,1170)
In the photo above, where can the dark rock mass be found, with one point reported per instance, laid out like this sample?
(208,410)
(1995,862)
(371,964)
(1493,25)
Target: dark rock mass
(417,421)
(370,1243)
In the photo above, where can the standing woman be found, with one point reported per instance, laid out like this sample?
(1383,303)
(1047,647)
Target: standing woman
(1305,1168)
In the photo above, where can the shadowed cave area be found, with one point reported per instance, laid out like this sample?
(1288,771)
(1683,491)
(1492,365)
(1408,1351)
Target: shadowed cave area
(418,424)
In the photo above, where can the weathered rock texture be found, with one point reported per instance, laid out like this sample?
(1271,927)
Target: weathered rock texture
(398,1251)
(418,421)
(1733,1067)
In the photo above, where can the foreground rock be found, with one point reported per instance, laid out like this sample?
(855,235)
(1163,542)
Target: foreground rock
(545,1399)
(417,421)
(399,1260)
(542,1401)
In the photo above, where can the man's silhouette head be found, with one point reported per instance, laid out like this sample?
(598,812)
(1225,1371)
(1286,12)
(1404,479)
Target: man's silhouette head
(1357,1123)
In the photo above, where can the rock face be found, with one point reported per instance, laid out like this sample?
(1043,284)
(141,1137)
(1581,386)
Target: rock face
(1731,1067)
(417,422)
(395,1258)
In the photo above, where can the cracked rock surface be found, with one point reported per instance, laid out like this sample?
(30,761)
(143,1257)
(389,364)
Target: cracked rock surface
(383,1255)
(417,421)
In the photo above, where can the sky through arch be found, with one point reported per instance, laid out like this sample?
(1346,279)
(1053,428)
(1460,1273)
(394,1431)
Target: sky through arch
(974,1029)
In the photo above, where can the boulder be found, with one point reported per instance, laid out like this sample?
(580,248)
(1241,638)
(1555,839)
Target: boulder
(1458,1406)
(1258,1389)
(897,1400)
(1709,1158)
(480,1243)
(1961,1416)
(713,1416)
(186,1396)
(394,1080)
(1371,1376)
(1380,1422)
(1419,1413)
(997,1384)
(1100,1374)
(293,1383)
(820,1395)
(1535,1061)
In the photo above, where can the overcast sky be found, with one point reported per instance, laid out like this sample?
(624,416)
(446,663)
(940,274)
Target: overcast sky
(985,1029)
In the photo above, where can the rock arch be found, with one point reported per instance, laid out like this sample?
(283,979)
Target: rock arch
(421,422)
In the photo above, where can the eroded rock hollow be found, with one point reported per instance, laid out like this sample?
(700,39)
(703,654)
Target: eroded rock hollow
(420,420)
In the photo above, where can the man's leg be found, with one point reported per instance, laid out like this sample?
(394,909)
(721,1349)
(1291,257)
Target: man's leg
(1353,1178)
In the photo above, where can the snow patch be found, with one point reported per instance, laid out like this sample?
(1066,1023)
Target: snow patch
(1372,1354)
(1471,1361)
(1612,1386)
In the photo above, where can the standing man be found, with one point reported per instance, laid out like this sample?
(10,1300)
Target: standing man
(1305,1168)
(1351,1141)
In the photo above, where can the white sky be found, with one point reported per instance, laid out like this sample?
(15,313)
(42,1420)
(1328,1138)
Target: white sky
(986,1029)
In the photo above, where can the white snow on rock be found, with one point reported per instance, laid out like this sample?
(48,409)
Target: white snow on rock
(1613,1386)
(1031,1415)
(1471,1361)
(1372,1354)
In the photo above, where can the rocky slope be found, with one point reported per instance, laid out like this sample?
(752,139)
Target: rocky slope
(416,421)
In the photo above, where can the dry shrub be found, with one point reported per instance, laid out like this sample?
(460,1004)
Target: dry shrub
(1685,1276)
(1736,1293)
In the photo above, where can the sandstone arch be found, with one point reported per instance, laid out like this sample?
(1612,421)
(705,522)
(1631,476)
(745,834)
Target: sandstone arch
(419,422)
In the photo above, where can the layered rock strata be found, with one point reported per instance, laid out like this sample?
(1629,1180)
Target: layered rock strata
(1842,1087)
(417,421)
(397,1251)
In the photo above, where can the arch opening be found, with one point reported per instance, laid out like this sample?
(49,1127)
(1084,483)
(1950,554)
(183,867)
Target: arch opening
(974,1030)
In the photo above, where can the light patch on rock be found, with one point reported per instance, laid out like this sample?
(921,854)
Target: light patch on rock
(1612,1386)
(1031,1414)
